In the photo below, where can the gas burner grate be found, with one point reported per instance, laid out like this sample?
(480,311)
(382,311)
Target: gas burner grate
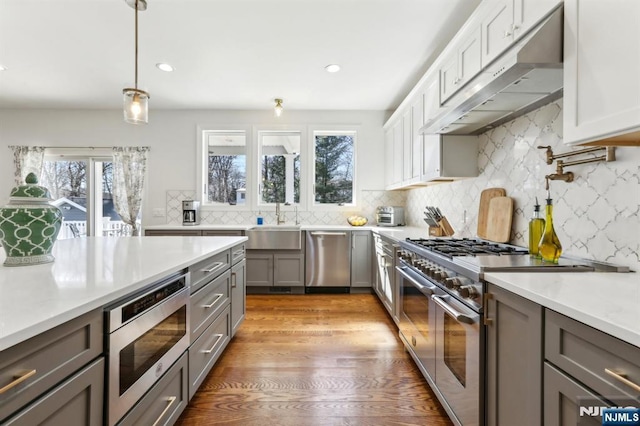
(466,247)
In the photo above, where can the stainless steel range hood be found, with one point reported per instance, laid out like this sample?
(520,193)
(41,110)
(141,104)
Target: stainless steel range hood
(525,77)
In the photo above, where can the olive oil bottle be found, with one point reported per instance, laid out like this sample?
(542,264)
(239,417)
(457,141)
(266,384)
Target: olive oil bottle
(549,248)
(536,228)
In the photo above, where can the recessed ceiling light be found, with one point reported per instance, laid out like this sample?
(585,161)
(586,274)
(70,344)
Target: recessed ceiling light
(3,68)
(332,68)
(164,67)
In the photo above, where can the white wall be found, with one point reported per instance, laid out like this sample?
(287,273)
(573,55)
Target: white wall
(172,136)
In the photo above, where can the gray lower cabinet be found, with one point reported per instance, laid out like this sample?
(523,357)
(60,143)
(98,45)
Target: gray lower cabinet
(222,233)
(562,398)
(513,359)
(362,272)
(77,401)
(238,295)
(172,232)
(279,268)
(582,362)
(164,403)
(205,351)
(38,365)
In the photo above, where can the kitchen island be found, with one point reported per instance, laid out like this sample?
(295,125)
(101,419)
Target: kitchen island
(89,273)
(65,347)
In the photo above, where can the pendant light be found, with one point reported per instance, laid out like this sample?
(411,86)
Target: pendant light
(136,101)
(277,110)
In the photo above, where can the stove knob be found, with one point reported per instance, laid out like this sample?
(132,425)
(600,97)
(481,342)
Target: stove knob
(467,291)
(432,272)
(444,275)
(452,283)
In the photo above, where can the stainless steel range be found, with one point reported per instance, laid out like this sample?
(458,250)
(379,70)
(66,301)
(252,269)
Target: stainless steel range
(441,285)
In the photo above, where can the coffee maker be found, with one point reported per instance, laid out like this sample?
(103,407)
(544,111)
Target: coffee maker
(190,212)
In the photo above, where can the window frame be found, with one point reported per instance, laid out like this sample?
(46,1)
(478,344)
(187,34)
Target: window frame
(301,130)
(92,157)
(332,130)
(202,167)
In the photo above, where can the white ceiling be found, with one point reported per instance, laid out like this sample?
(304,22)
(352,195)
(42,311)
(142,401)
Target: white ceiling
(231,54)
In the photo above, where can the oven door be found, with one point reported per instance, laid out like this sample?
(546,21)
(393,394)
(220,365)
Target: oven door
(418,317)
(143,349)
(459,358)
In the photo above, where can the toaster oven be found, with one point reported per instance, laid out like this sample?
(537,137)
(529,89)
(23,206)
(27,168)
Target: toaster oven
(390,216)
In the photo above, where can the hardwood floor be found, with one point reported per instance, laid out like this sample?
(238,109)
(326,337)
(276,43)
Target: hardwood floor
(315,360)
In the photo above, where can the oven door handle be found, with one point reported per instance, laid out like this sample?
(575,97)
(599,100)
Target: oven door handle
(425,289)
(459,316)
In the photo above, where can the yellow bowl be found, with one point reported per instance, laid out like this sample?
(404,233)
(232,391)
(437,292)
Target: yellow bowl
(357,221)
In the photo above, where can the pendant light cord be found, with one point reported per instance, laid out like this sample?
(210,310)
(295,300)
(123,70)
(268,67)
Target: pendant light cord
(136,38)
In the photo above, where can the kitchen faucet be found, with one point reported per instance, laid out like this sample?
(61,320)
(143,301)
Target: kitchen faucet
(279,215)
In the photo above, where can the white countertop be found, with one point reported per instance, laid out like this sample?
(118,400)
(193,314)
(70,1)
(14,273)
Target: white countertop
(394,232)
(89,273)
(609,302)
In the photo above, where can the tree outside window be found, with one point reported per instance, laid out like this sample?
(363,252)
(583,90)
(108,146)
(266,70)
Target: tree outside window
(280,167)
(334,161)
(226,167)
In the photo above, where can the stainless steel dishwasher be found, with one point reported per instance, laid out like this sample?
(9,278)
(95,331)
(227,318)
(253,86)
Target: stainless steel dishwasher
(328,260)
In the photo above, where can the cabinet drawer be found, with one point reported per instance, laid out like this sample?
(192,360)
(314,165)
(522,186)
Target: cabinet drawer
(207,303)
(47,359)
(238,253)
(77,401)
(166,400)
(205,351)
(592,357)
(172,232)
(205,270)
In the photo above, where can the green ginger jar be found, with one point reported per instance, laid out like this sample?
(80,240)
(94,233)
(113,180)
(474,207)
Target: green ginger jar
(29,224)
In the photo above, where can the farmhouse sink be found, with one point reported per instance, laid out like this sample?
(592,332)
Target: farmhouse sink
(275,237)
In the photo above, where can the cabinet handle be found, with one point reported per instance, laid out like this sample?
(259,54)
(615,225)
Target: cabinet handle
(238,253)
(328,234)
(507,34)
(170,401)
(215,266)
(621,378)
(210,305)
(208,351)
(17,380)
(233,280)
(485,308)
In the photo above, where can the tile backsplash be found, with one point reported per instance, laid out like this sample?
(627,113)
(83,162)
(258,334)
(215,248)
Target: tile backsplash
(597,216)
(369,200)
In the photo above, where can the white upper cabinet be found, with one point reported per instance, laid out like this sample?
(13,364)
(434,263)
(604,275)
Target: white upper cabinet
(407,173)
(497,29)
(527,13)
(416,138)
(388,158)
(462,65)
(602,71)
(398,151)
(508,20)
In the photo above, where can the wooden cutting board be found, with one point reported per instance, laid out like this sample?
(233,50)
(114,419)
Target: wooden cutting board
(483,209)
(499,219)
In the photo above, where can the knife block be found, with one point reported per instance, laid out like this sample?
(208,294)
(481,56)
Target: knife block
(443,229)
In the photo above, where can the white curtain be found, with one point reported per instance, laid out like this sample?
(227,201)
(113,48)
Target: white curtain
(129,169)
(27,159)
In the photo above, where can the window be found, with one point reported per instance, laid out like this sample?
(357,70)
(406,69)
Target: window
(226,176)
(279,166)
(82,188)
(334,167)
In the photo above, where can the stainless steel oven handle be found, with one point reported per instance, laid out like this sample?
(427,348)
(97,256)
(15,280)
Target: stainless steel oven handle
(208,351)
(210,305)
(170,401)
(459,316)
(215,267)
(426,289)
